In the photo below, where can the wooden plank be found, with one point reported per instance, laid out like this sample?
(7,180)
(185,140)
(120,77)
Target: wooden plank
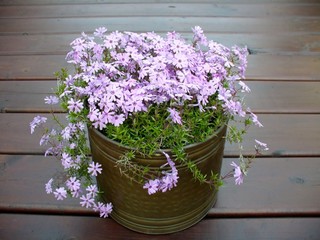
(18,226)
(265,96)
(273,187)
(160,9)
(53,2)
(27,175)
(160,24)
(30,93)
(286,135)
(284,97)
(285,43)
(289,189)
(260,67)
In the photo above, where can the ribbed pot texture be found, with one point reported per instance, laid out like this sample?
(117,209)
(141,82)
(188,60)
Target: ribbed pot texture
(160,213)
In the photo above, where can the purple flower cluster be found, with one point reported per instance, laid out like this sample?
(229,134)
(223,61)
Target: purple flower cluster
(166,182)
(87,200)
(120,74)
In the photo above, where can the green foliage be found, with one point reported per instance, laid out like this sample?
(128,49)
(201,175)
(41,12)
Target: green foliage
(150,131)
(131,170)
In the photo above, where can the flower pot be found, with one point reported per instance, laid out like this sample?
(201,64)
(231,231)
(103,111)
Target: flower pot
(160,213)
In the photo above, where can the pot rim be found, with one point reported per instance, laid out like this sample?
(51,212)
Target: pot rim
(166,150)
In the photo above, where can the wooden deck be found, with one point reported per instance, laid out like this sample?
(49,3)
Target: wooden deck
(280,198)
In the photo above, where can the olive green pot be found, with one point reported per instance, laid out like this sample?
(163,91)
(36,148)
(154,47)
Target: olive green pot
(160,213)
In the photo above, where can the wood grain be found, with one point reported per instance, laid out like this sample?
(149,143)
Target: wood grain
(160,9)
(160,24)
(62,2)
(13,226)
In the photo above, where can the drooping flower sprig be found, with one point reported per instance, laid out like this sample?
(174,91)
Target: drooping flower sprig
(150,93)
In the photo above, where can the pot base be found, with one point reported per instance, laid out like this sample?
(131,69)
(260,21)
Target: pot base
(164,225)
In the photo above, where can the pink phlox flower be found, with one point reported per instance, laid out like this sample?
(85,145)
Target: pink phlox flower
(87,37)
(75,106)
(102,119)
(202,100)
(53,151)
(99,32)
(208,68)
(98,56)
(97,206)
(180,60)
(228,63)
(78,48)
(255,120)
(36,122)
(210,87)
(69,81)
(105,210)
(76,162)
(261,146)
(99,123)
(60,193)
(241,54)
(51,100)
(48,186)
(44,139)
(81,126)
(135,105)
(111,41)
(107,105)
(169,180)
(169,160)
(93,68)
(72,145)
(235,108)
(114,92)
(117,120)
(77,42)
(123,58)
(177,45)
(66,160)
(93,114)
(73,127)
(199,35)
(92,190)
(160,63)
(238,175)
(131,51)
(65,93)
(244,87)
(67,133)
(224,94)
(76,194)
(152,186)
(94,168)
(73,184)
(87,201)
(175,116)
